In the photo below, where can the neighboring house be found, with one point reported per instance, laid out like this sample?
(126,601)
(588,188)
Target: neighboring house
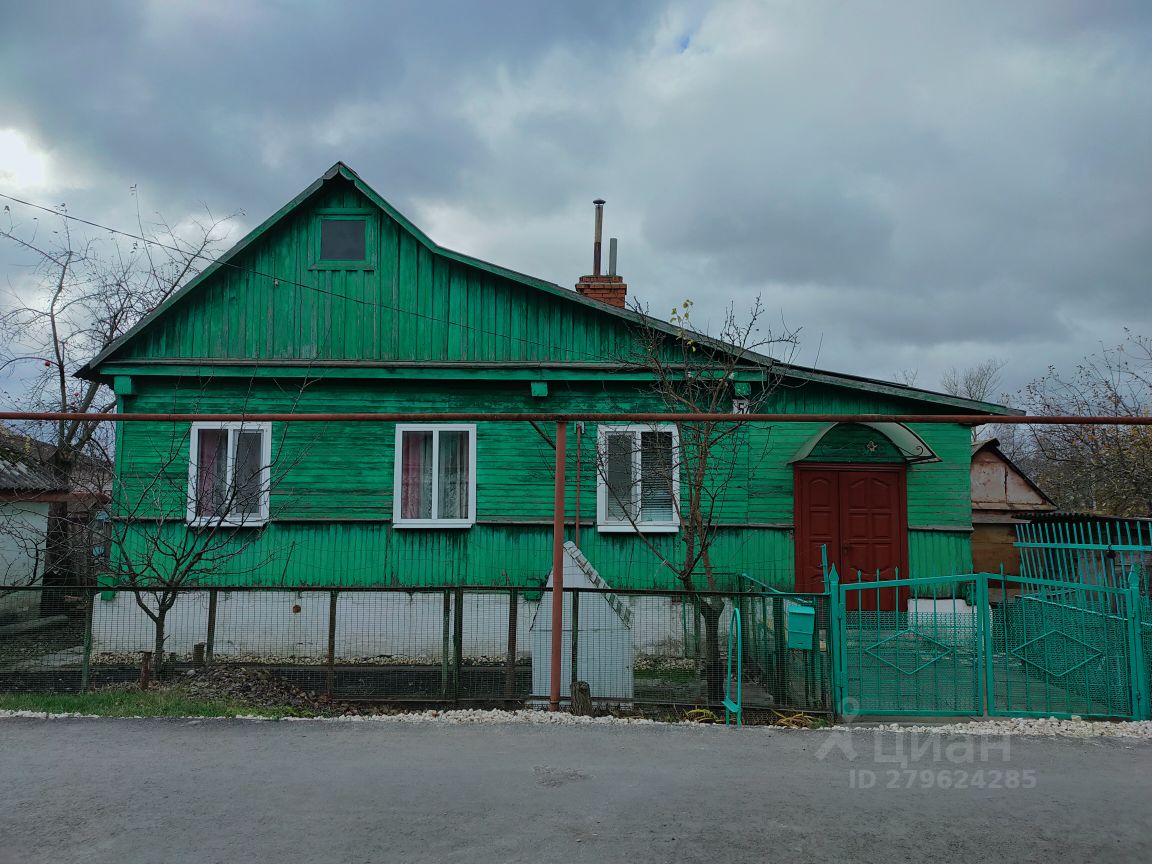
(1003,496)
(28,489)
(339,303)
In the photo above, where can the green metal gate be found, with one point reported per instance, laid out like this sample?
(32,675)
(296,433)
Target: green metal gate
(985,643)
(908,646)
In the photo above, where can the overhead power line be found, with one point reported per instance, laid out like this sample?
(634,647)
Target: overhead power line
(284,280)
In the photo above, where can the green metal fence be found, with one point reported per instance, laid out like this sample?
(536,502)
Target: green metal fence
(908,646)
(943,646)
(1063,648)
(1089,551)
(787,646)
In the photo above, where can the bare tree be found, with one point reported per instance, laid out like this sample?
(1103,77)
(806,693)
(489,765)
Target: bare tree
(89,292)
(907,377)
(181,524)
(978,382)
(1103,469)
(686,486)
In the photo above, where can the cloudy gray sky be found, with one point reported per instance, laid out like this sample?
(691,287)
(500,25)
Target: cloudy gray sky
(914,184)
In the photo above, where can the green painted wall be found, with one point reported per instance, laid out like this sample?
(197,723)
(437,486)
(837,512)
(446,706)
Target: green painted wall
(333,484)
(332,497)
(412,305)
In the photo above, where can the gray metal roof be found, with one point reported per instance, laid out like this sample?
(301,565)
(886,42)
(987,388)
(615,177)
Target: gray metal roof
(22,467)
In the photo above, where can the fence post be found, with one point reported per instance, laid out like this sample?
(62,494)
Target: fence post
(457,643)
(86,664)
(780,649)
(1138,669)
(210,639)
(332,600)
(835,639)
(445,643)
(510,663)
(575,635)
(984,647)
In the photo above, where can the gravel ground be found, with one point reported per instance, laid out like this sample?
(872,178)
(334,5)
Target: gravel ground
(1040,727)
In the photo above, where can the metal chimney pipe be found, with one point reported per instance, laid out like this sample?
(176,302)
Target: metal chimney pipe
(599,202)
(612,257)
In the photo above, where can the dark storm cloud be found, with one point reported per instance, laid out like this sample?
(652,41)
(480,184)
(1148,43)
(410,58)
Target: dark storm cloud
(916,184)
(216,97)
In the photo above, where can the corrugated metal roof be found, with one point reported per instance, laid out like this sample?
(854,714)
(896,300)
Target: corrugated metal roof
(21,464)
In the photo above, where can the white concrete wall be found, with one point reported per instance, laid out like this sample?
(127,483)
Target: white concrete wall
(368,624)
(23,527)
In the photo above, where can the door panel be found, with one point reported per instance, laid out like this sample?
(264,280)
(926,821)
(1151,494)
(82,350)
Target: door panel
(860,514)
(818,497)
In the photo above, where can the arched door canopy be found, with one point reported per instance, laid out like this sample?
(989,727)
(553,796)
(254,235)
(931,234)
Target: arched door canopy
(912,447)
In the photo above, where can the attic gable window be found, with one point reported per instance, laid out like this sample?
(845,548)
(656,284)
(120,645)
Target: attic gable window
(229,474)
(637,479)
(435,484)
(344,240)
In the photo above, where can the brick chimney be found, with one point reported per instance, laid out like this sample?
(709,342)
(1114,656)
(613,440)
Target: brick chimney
(610,288)
(607,289)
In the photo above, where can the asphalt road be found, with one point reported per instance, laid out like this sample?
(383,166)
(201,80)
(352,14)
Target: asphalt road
(187,792)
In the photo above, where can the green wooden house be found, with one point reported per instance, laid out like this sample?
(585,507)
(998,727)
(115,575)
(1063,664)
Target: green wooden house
(339,303)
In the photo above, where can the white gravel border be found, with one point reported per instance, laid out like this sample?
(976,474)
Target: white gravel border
(1044,726)
(1036,726)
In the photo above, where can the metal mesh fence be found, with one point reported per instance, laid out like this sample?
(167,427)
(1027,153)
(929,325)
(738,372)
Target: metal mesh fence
(1060,648)
(911,652)
(435,645)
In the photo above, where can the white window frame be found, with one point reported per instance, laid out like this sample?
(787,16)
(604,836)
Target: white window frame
(604,525)
(397,486)
(233,428)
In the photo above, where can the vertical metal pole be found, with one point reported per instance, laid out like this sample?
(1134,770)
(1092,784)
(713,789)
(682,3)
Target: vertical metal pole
(332,598)
(836,639)
(576,517)
(558,567)
(445,632)
(984,640)
(510,663)
(599,202)
(86,665)
(575,633)
(1137,670)
(211,638)
(457,643)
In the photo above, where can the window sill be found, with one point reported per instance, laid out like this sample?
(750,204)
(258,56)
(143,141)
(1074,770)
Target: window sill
(215,522)
(641,528)
(433,523)
(343,265)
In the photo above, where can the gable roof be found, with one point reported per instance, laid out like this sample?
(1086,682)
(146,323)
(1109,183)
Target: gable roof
(340,170)
(992,445)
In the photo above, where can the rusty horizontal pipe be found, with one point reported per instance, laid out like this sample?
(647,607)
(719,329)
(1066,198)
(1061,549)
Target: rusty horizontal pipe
(587,417)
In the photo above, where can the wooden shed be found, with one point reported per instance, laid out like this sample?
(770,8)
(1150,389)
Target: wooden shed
(1003,496)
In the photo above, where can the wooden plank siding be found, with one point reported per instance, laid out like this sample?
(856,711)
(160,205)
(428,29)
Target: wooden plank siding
(412,305)
(420,328)
(341,474)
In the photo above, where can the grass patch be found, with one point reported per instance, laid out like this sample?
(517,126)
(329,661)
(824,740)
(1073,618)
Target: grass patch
(122,702)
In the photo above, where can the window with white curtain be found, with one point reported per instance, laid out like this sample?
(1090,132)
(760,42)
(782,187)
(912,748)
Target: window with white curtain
(229,466)
(435,476)
(637,478)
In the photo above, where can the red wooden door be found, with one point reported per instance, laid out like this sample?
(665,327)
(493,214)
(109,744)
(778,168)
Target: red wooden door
(817,525)
(860,515)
